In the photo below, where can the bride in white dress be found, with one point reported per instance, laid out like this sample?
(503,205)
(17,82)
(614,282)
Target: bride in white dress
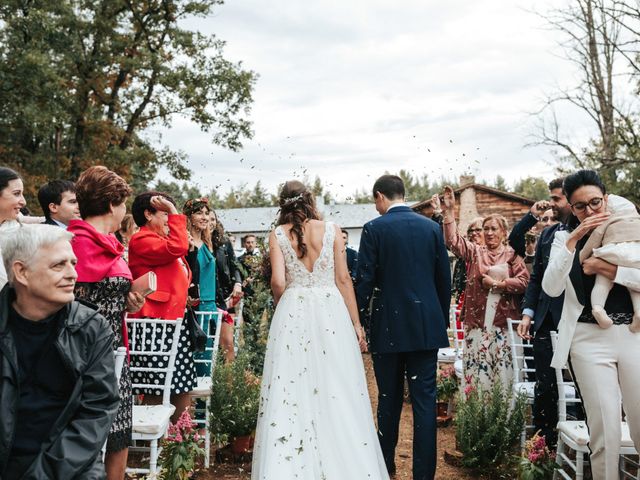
(315,419)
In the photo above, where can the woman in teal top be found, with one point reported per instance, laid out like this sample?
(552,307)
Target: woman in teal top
(198,224)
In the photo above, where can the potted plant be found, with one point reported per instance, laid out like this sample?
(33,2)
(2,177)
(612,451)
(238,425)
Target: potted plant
(235,398)
(180,448)
(538,462)
(446,388)
(488,427)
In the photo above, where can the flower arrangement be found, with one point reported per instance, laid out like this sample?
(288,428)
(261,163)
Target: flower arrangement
(538,462)
(180,448)
(488,425)
(446,383)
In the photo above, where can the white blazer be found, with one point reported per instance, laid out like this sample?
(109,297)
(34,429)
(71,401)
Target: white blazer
(557,280)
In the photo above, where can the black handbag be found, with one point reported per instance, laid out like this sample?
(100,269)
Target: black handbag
(196,333)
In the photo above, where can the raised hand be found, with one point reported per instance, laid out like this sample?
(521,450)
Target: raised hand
(448,200)
(541,206)
(163,205)
(586,227)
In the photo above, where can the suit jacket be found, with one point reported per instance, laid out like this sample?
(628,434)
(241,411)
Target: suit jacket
(352,261)
(564,275)
(404,276)
(166,257)
(50,221)
(518,232)
(535,297)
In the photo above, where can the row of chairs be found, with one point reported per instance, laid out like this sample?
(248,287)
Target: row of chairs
(573,434)
(150,338)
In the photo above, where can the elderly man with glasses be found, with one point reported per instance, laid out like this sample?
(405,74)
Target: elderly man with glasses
(58,390)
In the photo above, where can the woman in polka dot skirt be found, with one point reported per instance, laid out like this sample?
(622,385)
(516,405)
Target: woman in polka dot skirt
(161,246)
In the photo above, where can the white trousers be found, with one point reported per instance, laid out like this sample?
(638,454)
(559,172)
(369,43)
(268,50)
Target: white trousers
(606,363)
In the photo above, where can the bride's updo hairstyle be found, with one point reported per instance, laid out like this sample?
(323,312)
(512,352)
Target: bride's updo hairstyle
(297,205)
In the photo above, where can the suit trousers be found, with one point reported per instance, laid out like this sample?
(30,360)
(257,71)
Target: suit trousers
(545,400)
(420,370)
(605,364)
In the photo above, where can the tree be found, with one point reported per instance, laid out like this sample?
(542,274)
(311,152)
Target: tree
(601,40)
(500,183)
(535,188)
(81,81)
(180,192)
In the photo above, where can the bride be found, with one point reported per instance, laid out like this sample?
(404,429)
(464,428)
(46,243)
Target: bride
(315,418)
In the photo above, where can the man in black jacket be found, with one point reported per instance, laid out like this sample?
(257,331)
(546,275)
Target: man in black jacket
(541,313)
(58,390)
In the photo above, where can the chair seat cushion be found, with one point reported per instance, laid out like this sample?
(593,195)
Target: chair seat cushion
(447,355)
(457,366)
(579,433)
(203,388)
(575,430)
(151,419)
(526,388)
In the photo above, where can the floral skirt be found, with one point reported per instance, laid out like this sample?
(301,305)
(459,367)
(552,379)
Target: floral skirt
(487,357)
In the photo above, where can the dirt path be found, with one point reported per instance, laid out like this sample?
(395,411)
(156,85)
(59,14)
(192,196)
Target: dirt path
(446,441)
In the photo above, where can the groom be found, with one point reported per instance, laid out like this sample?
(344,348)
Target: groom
(404,278)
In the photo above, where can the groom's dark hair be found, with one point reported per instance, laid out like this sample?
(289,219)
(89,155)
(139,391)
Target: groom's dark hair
(391,186)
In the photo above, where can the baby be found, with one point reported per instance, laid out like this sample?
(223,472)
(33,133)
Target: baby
(616,241)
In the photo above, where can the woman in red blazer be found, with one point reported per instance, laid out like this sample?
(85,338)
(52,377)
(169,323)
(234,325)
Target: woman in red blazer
(161,246)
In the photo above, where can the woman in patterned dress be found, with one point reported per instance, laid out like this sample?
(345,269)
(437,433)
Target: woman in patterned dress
(104,279)
(496,278)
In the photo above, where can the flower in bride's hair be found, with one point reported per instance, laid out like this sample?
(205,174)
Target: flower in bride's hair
(291,200)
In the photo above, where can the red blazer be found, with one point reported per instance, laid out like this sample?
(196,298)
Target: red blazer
(165,256)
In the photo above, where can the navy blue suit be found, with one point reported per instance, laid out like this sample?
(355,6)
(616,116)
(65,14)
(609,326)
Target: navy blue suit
(547,312)
(352,261)
(404,279)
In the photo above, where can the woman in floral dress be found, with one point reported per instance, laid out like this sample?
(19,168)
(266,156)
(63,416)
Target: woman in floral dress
(104,279)
(496,279)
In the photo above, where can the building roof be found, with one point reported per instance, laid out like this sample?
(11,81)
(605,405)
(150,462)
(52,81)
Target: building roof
(478,186)
(246,220)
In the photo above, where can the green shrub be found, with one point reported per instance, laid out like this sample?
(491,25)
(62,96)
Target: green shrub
(235,399)
(488,426)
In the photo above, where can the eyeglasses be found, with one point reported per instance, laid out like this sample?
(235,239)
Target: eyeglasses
(474,230)
(595,204)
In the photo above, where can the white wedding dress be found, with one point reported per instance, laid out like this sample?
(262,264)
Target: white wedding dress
(315,419)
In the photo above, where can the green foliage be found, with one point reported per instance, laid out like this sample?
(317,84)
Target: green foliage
(500,183)
(258,309)
(488,426)
(243,196)
(180,192)
(180,448)
(235,399)
(417,188)
(81,80)
(535,188)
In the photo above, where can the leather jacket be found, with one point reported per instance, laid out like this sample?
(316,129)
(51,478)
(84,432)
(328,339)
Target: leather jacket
(73,449)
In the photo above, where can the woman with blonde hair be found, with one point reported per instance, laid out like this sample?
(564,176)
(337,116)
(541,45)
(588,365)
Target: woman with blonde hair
(496,278)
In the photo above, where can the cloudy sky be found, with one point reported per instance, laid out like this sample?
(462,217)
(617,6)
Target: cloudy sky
(351,88)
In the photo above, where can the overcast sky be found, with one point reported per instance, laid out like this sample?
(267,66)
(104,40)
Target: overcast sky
(351,88)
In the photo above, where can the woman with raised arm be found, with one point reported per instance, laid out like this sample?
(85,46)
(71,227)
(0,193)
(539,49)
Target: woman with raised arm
(496,278)
(315,415)
(161,246)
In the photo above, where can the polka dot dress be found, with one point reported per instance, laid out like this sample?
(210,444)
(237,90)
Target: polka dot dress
(184,376)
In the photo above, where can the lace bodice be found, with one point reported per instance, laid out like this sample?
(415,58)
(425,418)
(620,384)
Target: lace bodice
(296,274)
